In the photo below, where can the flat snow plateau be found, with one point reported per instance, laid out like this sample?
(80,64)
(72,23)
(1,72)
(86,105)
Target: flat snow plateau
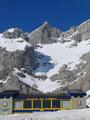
(80,114)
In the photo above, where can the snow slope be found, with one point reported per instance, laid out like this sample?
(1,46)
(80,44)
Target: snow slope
(79,114)
(51,58)
(13,44)
(42,85)
(60,54)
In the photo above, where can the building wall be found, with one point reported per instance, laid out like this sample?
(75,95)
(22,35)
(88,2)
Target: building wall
(78,102)
(43,104)
(6,105)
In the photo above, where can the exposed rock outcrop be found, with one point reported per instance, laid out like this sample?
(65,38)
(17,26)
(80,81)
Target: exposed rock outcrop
(64,75)
(19,59)
(44,34)
(14,33)
(84,30)
(69,32)
(14,84)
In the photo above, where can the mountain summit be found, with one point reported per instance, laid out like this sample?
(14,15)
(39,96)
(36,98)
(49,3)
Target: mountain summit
(44,34)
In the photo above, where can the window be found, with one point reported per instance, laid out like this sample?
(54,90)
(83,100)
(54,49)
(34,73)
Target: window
(66,104)
(46,103)
(27,104)
(55,103)
(37,104)
(18,104)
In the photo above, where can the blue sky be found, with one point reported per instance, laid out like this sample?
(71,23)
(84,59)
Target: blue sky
(29,14)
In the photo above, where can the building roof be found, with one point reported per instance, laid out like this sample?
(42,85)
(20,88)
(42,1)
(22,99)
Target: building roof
(75,93)
(9,93)
(61,96)
(67,95)
(16,95)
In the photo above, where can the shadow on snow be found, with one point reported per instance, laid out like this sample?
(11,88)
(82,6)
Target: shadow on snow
(45,62)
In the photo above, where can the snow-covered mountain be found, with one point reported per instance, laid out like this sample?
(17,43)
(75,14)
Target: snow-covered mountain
(46,59)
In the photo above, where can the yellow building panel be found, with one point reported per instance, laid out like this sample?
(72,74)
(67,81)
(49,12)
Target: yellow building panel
(51,103)
(32,104)
(22,104)
(42,105)
(70,103)
(61,106)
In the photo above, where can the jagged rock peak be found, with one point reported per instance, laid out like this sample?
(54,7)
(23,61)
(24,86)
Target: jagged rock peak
(14,33)
(83,27)
(85,22)
(78,33)
(45,23)
(11,30)
(44,34)
(69,32)
(84,30)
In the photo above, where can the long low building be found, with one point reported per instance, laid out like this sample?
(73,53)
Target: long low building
(14,102)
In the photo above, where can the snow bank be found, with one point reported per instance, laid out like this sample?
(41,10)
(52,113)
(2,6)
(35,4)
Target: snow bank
(80,114)
(88,93)
(88,98)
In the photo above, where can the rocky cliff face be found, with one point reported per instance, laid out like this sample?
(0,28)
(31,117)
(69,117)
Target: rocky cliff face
(44,34)
(82,32)
(77,78)
(19,59)
(15,52)
(45,60)
(15,33)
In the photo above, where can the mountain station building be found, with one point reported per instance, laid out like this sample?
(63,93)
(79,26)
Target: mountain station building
(13,102)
